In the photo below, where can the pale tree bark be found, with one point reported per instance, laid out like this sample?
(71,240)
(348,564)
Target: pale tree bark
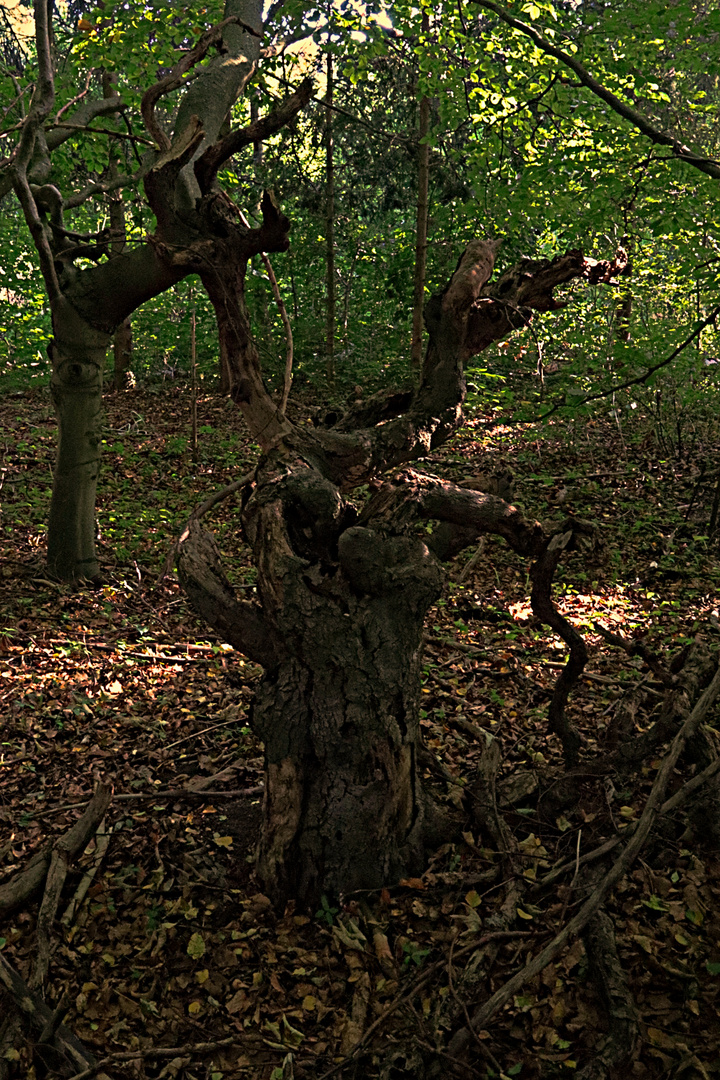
(78,361)
(89,305)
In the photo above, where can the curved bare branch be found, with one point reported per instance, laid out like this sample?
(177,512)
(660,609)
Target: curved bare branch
(637,119)
(42,102)
(241,623)
(461,321)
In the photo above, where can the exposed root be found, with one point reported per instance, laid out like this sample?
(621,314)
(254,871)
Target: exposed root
(609,978)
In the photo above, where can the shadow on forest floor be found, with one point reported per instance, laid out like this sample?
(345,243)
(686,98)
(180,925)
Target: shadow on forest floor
(174,946)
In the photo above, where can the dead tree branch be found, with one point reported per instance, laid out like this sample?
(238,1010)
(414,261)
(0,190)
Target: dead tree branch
(20,888)
(62,1054)
(542,574)
(198,513)
(482,1017)
(606,970)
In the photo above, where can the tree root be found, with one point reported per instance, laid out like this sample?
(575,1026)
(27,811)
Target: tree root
(56,1051)
(483,1015)
(607,973)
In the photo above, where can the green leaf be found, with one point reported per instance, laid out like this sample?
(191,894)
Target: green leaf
(196,947)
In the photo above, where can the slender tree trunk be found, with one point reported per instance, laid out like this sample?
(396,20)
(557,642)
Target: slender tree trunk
(348,289)
(123,339)
(225,287)
(623,312)
(330,226)
(78,359)
(194,384)
(122,354)
(421,227)
(257,146)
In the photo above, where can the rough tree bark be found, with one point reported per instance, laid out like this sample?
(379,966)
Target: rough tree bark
(342,594)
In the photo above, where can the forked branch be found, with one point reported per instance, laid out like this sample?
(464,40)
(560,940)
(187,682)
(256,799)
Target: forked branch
(175,76)
(214,157)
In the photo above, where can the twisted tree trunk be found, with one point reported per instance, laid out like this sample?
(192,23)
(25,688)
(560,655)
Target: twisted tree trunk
(342,596)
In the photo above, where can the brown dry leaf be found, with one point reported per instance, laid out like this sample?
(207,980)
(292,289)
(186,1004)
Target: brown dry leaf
(412,883)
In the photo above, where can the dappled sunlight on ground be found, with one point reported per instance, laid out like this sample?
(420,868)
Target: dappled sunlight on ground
(176,942)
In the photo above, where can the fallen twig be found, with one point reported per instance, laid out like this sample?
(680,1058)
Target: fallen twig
(676,800)
(638,648)
(484,1014)
(155,1052)
(57,872)
(21,887)
(162,793)
(420,982)
(607,972)
(102,842)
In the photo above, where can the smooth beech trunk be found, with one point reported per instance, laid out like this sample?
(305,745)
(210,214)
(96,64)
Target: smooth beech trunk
(78,359)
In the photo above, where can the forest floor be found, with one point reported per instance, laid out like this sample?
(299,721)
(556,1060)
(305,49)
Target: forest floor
(174,962)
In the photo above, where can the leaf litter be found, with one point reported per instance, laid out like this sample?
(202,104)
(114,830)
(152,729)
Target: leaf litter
(173,946)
